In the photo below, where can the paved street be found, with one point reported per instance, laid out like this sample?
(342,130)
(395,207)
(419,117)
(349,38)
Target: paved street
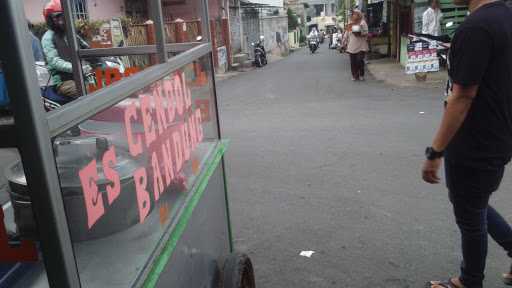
(318,162)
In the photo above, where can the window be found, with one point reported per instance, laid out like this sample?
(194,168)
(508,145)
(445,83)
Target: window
(319,8)
(80,9)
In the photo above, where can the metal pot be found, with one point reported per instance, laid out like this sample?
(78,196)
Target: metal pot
(72,154)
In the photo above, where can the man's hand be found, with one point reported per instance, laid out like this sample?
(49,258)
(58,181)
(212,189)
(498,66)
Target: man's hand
(430,171)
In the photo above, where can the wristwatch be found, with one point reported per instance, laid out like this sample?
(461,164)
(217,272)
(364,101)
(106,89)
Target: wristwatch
(432,154)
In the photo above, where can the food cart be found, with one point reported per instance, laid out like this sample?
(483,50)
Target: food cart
(124,186)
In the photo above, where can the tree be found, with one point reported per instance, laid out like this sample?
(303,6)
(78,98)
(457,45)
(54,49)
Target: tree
(342,8)
(293,20)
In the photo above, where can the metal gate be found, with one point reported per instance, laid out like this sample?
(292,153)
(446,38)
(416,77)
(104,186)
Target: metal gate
(251,26)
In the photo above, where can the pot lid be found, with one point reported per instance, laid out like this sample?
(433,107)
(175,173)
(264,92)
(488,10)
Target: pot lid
(73,154)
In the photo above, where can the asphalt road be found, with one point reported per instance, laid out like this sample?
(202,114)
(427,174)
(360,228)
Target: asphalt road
(318,162)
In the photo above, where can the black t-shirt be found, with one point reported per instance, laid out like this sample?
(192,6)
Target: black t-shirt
(481,54)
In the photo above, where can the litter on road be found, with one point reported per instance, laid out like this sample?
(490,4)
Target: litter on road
(307,253)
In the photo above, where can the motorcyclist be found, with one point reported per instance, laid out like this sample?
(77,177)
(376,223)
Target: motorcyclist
(313,34)
(58,52)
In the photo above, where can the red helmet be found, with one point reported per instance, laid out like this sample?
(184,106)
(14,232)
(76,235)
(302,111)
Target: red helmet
(53,6)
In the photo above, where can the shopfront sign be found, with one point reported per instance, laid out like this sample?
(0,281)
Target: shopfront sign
(162,129)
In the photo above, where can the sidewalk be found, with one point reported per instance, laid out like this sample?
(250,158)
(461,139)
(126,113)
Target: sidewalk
(230,74)
(391,72)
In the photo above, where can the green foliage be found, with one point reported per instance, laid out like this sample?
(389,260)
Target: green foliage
(293,20)
(84,28)
(39,29)
(87,29)
(342,8)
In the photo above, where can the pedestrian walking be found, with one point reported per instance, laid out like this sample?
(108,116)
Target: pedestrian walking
(356,43)
(475,135)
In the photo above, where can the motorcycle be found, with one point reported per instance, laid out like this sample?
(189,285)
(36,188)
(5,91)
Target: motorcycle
(313,44)
(113,62)
(53,100)
(442,44)
(334,42)
(260,55)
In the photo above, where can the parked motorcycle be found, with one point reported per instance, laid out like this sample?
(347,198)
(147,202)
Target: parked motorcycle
(113,62)
(442,43)
(260,55)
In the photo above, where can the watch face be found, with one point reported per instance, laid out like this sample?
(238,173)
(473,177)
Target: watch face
(432,154)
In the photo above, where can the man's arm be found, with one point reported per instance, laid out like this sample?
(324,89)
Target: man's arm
(53,59)
(457,108)
(471,53)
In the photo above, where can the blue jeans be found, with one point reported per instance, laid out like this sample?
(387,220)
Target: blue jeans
(470,190)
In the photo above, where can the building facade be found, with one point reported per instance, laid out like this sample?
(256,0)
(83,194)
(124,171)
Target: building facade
(319,8)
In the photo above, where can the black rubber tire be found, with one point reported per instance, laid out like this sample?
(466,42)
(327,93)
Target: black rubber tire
(258,61)
(237,272)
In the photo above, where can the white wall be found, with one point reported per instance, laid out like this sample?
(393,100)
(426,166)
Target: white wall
(269,26)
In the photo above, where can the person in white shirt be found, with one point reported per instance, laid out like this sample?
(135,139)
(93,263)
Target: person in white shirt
(313,33)
(432,19)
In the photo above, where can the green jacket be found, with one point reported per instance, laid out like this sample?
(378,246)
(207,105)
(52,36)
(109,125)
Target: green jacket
(58,62)
(55,63)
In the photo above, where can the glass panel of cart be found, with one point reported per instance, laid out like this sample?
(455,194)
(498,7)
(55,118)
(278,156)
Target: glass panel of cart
(126,172)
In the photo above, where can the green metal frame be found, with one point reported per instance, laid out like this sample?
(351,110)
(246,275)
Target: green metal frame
(31,122)
(197,193)
(452,13)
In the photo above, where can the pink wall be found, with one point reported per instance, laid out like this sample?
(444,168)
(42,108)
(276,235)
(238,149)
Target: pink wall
(106,9)
(190,10)
(98,9)
(34,10)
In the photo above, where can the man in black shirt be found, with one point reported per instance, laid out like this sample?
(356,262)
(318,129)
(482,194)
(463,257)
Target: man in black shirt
(475,135)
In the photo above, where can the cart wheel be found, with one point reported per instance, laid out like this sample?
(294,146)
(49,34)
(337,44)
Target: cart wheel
(238,272)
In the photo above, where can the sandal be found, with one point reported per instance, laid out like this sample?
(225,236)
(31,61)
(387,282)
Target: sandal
(507,278)
(442,284)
